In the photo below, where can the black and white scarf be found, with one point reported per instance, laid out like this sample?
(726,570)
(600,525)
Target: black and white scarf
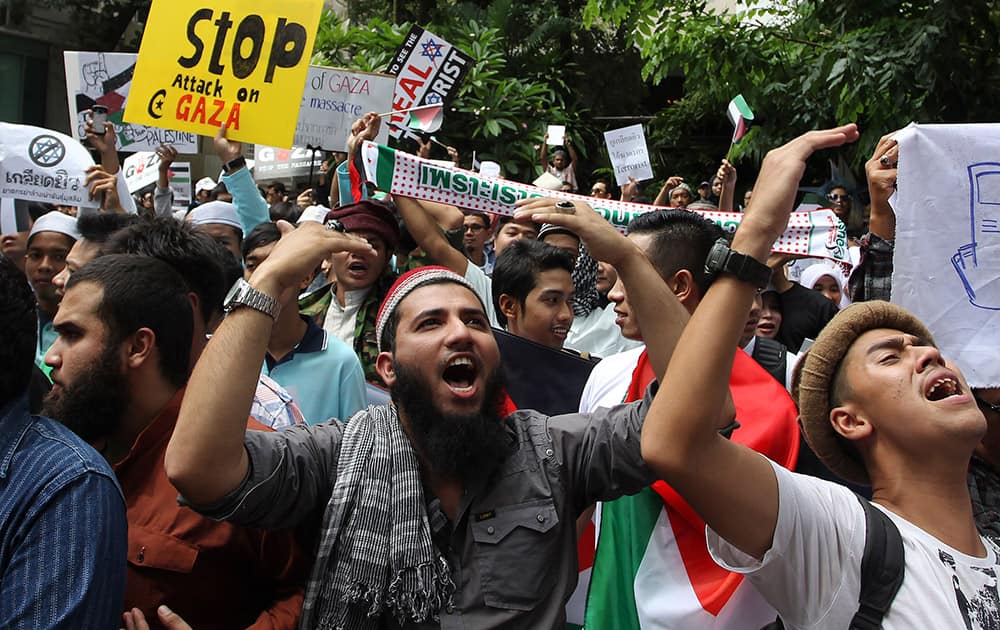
(376,554)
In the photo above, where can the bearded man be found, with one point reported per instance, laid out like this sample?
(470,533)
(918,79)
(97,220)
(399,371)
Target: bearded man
(443,509)
(119,366)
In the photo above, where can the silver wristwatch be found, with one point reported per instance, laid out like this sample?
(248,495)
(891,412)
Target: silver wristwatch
(242,294)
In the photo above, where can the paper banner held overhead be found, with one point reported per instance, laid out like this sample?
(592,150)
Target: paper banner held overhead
(629,154)
(556,135)
(239,63)
(43,165)
(816,234)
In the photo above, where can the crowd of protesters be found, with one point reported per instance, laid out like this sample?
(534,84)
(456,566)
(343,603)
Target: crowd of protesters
(281,409)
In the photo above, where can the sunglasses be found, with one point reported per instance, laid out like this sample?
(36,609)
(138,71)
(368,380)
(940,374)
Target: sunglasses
(836,197)
(995,408)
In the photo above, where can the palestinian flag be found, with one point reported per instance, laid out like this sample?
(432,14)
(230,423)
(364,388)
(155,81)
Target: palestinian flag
(427,118)
(740,116)
(652,567)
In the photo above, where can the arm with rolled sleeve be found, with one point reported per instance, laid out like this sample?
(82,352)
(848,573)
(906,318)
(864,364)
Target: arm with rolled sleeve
(602,451)
(68,567)
(291,474)
(250,206)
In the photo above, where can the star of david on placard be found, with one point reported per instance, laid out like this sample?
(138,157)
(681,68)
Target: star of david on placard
(432,50)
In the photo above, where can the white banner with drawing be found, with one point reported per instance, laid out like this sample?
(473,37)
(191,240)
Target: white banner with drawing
(94,78)
(947,258)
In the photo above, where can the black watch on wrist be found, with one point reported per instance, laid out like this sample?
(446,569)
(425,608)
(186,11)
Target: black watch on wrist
(232,166)
(721,259)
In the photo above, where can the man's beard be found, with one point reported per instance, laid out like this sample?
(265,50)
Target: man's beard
(463,446)
(93,405)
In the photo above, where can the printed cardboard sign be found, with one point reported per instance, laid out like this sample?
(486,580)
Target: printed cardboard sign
(428,70)
(239,63)
(96,78)
(629,154)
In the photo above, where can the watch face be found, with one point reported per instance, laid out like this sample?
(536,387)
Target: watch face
(234,292)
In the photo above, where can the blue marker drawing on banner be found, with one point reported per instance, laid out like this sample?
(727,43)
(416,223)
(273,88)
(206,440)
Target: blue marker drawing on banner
(978,262)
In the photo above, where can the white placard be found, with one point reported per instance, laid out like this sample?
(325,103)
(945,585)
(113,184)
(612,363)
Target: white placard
(275,163)
(629,154)
(43,165)
(141,169)
(334,98)
(946,266)
(557,135)
(489,169)
(105,78)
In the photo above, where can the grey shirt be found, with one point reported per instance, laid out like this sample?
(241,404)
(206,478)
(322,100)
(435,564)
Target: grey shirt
(512,551)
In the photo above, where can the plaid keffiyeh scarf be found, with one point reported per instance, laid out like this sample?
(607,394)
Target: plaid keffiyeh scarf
(585,297)
(376,555)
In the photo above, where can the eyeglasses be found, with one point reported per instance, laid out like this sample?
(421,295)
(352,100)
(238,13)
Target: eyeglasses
(836,197)
(995,408)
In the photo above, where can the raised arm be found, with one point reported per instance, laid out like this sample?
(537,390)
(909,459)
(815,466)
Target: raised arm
(250,206)
(161,196)
(727,173)
(206,458)
(663,197)
(727,484)
(427,233)
(881,173)
(545,152)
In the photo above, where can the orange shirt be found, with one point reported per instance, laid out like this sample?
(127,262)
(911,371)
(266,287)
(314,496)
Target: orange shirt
(213,574)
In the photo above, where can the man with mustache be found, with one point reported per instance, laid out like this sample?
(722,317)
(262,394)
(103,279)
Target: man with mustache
(444,508)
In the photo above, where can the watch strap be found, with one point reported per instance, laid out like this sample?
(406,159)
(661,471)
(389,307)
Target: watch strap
(234,165)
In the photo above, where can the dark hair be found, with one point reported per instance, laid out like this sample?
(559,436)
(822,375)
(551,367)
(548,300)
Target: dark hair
(18,327)
(144,292)
(284,210)
(219,189)
(36,210)
(196,256)
(516,270)
(264,234)
(279,187)
(97,228)
(482,215)
(681,240)
(388,340)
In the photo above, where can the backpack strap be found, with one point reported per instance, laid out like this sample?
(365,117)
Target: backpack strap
(882,568)
(772,356)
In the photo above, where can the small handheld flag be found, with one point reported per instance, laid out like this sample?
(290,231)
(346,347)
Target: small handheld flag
(740,116)
(427,119)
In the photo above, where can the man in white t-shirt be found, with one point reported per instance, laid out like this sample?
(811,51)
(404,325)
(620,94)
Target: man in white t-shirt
(878,405)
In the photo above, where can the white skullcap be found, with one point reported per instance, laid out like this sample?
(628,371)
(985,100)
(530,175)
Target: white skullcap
(205,183)
(56,222)
(221,212)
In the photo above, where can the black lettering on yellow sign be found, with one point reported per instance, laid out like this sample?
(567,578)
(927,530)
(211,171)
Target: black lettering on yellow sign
(286,50)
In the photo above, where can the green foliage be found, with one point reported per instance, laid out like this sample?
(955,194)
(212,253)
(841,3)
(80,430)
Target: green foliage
(805,64)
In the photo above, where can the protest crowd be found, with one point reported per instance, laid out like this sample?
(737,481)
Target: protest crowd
(407,394)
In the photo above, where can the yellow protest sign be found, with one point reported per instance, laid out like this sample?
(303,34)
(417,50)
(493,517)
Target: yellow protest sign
(239,63)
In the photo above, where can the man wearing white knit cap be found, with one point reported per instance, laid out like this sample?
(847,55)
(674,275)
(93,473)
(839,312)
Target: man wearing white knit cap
(50,239)
(220,220)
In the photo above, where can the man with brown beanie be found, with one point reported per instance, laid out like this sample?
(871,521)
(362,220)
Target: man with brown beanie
(347,306)
(878,404)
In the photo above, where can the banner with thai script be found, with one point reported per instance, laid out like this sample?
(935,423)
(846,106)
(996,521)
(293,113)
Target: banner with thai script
(817,234)
(334,98)
(43,165)
(428,70)
(946,267)
(97,78)
(239,63)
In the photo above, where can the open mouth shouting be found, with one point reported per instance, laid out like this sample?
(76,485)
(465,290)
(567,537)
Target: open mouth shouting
(460,375)
(943,386)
